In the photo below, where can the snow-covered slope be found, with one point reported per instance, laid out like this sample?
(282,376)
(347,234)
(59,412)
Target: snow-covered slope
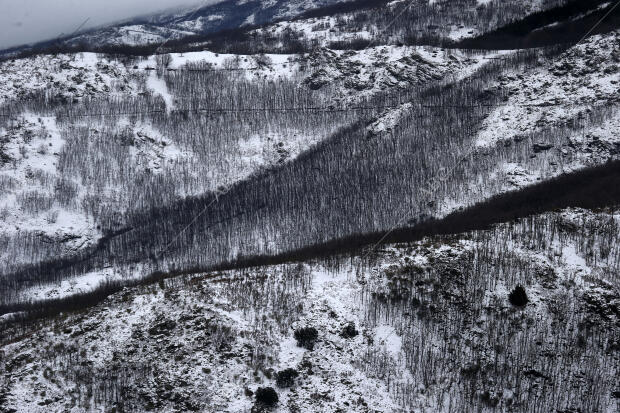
(585,76)
(422,327)
(329,21)
(111,164)
(363,73)
(555,118)
(64,77)
(30,148)
(153,150)
(189,21)
(34,142)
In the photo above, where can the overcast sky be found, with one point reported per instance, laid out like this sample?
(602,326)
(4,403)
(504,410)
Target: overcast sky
(28,21)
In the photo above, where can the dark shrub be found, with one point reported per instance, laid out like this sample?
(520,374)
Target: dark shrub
(286,378)
(349,331)
(266,396)
(306,337)
(518,297)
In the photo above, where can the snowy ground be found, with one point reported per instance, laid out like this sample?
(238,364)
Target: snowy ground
(364,73)
(322,30)
(422,317)
(31,144)
(585,76)
(64,77)
(29,176)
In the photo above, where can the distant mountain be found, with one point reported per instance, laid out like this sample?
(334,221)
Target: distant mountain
(293,26)
(157,28)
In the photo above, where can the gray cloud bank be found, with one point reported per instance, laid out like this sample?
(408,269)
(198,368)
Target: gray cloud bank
(29,21)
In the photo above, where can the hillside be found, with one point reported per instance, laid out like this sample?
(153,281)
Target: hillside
(413,206)
(421,326)
(186,22)
(288,25)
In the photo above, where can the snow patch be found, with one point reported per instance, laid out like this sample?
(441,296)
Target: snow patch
(159,87)
(387,338)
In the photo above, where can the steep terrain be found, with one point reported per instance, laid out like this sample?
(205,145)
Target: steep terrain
(57,202)
(301,136)
(426,326)
(586,77)
(148,119)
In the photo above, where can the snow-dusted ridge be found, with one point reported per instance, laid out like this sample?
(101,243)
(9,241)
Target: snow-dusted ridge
(180,23)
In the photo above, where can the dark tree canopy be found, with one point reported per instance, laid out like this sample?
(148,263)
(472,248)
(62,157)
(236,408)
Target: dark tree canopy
(518,297)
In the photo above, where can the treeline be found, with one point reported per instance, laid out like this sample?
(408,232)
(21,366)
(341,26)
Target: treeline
(217,35)
(419,23)
(564,24)
(591,188)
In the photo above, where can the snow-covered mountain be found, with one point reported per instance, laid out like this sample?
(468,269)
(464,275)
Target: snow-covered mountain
(308,21)
(200,20)
(179,230)
(543,115)
(36,142)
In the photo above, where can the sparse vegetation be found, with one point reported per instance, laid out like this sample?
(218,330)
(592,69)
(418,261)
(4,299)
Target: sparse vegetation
(458,283)
(235,206)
